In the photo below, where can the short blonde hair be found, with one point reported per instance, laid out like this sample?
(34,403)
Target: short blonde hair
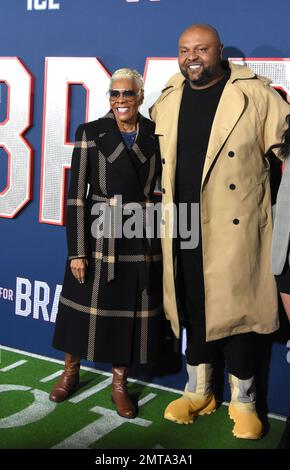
(129,74)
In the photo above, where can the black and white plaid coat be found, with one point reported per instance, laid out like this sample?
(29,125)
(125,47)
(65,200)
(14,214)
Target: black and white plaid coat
(116,315)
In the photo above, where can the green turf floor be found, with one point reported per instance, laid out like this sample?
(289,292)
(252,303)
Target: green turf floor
(28,420)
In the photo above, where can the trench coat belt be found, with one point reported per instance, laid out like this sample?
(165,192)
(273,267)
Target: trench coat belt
(111,254)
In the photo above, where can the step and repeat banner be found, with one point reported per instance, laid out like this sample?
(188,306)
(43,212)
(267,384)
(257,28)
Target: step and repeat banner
(55,64)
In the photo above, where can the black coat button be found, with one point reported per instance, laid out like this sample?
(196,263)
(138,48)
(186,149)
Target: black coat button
(231,153)
(163,190)
(232,186)
(236,221)
(163,160)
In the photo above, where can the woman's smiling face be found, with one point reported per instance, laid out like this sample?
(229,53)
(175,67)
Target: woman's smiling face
(125,108)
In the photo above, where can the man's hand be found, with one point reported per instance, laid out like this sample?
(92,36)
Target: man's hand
(79,267)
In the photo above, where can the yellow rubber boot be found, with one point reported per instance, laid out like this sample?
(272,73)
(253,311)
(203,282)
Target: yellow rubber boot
(247,423)
(185,410)
(242,410)
(197,398)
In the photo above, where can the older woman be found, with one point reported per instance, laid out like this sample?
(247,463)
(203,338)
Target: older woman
(110,306)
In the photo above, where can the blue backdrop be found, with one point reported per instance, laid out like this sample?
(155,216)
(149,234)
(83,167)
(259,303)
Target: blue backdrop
(119,33)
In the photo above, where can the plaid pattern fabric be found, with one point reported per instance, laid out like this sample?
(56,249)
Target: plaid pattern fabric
(116,315)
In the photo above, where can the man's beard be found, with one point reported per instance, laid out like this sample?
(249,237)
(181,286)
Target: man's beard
(206,77)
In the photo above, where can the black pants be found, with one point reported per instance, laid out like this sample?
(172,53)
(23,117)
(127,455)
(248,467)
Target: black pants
(283,280)
(240,352)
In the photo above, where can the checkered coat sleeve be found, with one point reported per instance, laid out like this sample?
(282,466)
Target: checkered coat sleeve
(76,226)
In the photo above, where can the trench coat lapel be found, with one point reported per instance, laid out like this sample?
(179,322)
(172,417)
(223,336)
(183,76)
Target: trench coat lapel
(108,138)
(144,147)
(110,144)
(224,122)
(167,123)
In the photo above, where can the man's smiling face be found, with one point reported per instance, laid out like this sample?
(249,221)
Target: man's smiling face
(199,57)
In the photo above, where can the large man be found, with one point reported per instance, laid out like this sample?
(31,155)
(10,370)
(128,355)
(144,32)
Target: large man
(216,122)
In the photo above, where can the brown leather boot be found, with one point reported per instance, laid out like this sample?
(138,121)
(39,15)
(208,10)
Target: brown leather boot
(68,381)
(120,397)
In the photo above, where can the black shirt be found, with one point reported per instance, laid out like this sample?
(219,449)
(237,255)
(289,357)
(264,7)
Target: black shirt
(196,115)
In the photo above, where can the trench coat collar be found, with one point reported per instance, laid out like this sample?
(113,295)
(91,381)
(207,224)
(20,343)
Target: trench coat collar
(238,72)
(111,142)
(111,145)
(229,110)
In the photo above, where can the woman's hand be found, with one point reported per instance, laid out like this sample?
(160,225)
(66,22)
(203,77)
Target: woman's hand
(78,268)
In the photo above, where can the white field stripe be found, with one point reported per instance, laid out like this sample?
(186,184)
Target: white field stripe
(274,416)
(108,374)
(108,422)
(51,376)
(145,400)
(89,369)
(13,366)
(91,391)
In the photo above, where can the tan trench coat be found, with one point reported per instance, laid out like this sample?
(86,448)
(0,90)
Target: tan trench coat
(236,225)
